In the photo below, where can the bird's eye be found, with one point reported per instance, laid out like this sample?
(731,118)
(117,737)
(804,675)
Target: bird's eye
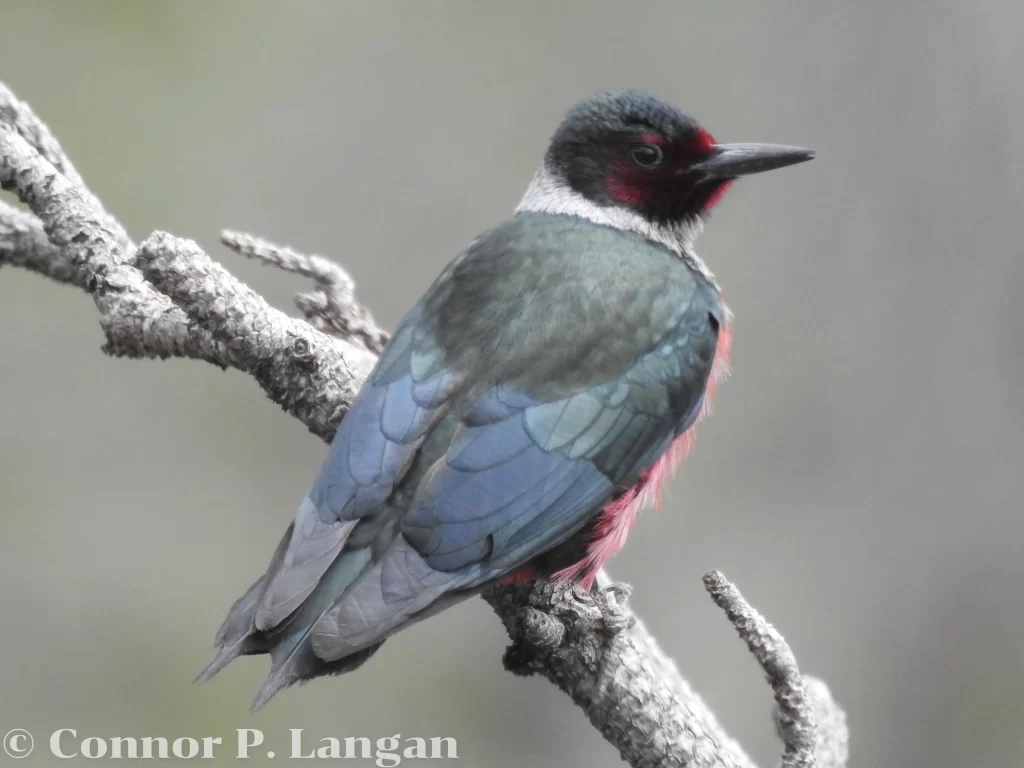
(647,155)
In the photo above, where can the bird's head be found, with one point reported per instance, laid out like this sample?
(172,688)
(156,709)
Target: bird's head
(629,160)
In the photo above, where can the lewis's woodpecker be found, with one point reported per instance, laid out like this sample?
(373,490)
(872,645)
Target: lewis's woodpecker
(526,406)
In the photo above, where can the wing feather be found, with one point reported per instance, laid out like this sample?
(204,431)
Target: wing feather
(374,446)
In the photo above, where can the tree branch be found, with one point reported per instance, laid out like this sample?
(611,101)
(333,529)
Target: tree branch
(332,307)
(311,375)
(809,722)
(23,243)
(18,115)
(168,298)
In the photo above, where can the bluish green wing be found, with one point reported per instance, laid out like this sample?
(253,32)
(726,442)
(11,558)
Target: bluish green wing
(520,476)
(404,397)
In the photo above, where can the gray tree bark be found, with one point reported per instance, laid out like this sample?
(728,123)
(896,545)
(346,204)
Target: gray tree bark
(166,298)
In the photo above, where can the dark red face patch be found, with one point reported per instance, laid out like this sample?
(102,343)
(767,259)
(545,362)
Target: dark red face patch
(629,189)
(716,195)
(704,142)
(667,190)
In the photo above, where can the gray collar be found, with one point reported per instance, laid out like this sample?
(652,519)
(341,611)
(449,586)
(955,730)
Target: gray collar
(548,194)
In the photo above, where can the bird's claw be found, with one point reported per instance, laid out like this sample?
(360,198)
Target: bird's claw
(612,602)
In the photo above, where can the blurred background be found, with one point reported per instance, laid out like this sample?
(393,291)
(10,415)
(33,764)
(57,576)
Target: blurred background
(861,479)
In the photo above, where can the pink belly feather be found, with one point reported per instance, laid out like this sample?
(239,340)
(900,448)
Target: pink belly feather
(609,534)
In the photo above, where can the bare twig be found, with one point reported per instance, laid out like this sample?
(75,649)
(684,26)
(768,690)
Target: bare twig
(312,376)
(332,307)
(141,321)
(808,743)
(832,736)
(138,320)
(23,243)
(19,116)
(168,298)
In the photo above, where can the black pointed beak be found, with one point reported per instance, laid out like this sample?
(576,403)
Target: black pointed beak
(727,161)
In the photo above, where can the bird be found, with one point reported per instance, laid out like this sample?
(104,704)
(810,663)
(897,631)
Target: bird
(527,406)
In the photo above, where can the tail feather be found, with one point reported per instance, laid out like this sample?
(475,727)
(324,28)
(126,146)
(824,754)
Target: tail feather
(243,646)
(310,551)
(291,655)
(292,658)
(376,585)
(303,666)
(237,635)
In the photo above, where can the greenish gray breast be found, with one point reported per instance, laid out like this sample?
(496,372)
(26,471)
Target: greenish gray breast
(553,304)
